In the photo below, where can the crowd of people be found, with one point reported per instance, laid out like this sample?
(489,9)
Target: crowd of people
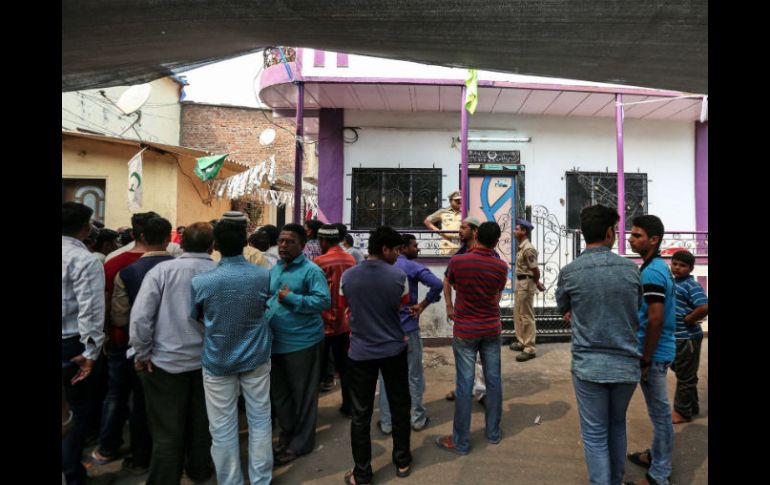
(167,329)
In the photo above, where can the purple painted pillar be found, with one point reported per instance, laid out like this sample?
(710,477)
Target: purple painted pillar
(701,182)
(464,153)
(298,154)
(331,165)
(621,175)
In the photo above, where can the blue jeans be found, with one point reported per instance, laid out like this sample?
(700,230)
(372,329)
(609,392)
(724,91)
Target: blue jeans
(602,408)
(416,384)
(655,391)
(222,408)
(465,350)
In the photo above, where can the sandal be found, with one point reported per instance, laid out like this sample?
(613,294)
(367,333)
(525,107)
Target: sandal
(350,479)
(403,472)
(636,458)
(450,396)
(92,460)
(286,456)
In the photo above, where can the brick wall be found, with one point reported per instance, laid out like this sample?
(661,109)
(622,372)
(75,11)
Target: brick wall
(224,129)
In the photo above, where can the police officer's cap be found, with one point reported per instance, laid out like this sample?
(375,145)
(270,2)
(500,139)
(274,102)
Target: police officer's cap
(524,223)
(454,195)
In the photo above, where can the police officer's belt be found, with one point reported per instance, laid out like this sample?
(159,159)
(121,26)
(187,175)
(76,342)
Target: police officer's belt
(523,276)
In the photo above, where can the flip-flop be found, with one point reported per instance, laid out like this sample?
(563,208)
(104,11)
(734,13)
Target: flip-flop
(636,458)
(92,460)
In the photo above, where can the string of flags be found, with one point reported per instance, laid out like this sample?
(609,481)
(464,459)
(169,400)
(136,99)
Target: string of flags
(247,185)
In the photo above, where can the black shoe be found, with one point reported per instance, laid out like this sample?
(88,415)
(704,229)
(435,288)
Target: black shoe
(525,356)
(516,346)
(483,401)
(348,414)
(327,386)
(134,468)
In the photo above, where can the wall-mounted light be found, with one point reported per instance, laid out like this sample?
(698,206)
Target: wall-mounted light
(486,139)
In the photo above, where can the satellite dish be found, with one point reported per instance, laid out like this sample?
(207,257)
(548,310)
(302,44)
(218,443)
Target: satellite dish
(134,98)
(267,137)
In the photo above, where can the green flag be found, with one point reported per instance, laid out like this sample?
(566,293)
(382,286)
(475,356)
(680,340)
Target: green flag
(472,91)
(208,167)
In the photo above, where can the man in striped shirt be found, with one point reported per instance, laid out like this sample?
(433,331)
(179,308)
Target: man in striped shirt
(479,279)
(692,306)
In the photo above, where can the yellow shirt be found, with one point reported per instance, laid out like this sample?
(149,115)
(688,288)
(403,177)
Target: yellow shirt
(252,255)
(526,258)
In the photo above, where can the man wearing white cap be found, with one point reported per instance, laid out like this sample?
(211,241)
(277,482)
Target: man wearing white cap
(252,254)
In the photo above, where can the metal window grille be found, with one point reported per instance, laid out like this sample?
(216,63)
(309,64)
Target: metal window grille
(400,198)
(590,188)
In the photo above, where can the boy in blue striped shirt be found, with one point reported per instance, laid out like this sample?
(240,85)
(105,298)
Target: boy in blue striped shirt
(691,307)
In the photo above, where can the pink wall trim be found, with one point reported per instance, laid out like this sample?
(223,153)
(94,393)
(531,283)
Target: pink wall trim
(342,59)
(319,58)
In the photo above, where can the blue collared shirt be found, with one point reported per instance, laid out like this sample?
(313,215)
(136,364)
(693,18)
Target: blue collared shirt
(82,296)
(297,322)
(417,273)
(231,301)
(603,291)
(161,328)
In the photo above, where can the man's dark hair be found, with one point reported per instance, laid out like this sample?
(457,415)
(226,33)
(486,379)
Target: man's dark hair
(652,225)
(138,221)
(314,225)
(384,236)
(230,237)
(272,233)
(408,237)
(489,234)
(73,217)
(90,240)
(595,220)
(198,237)
(298,230)
(156,230)
(181,228)
(97,224)
(105,236)
(685,257)
(126,237)
(349,239)
(260,240)
(342,228)
(332,240)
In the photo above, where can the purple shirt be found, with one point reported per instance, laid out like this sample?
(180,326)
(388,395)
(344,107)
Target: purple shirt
(417,273)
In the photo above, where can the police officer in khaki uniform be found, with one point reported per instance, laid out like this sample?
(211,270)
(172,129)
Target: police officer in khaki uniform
(450,219)
(527,280)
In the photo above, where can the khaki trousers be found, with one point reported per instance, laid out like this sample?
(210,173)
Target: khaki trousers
(524,313)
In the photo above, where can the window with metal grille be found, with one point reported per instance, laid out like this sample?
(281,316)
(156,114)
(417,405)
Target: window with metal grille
(396,197)
(590,188)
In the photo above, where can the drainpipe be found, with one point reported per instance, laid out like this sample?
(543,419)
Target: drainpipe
(298,154)
(464,154)
(621,175)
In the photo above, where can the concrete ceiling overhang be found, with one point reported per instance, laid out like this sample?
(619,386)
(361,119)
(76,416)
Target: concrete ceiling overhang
(649,43)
